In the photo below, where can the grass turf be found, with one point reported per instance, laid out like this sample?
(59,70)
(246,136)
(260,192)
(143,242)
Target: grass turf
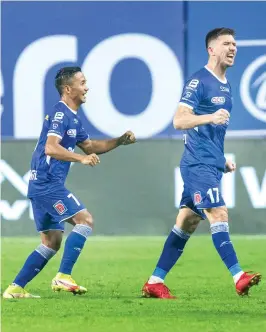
(114,270)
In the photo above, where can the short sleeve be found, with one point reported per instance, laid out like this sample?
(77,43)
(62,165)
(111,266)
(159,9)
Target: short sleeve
(58,125)
(82,135)
(192,93)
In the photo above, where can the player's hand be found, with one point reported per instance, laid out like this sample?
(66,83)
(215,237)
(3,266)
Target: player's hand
(230,166)
(220,117)
(91,160)
(127,138)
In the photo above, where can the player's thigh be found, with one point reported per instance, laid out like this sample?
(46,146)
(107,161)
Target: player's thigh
(217,214)
(52,239)
(59,206)
(187,220)
(63,206)
(204,185)
(187,202)
(42,217)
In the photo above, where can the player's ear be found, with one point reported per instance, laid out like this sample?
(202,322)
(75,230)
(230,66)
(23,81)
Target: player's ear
(210,51)
(67,89)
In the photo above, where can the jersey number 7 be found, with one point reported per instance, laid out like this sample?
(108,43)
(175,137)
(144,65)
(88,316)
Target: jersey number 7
(75,199)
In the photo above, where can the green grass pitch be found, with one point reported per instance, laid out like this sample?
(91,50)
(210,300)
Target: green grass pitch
(114,270)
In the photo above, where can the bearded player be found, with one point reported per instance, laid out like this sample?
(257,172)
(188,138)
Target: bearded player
(203,114)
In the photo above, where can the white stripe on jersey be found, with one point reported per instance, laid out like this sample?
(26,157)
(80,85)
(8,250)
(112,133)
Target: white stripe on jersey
(184,104)
(52,134)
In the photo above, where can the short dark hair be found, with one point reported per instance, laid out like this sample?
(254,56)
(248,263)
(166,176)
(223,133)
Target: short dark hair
(215,33)
(63,77)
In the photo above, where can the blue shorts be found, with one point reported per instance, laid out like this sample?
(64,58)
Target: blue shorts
(51,210)
(202,188)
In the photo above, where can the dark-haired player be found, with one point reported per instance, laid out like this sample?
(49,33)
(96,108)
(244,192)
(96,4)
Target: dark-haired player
(203,114)
(52,203)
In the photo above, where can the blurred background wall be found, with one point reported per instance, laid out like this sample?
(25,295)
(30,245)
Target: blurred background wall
(136,57)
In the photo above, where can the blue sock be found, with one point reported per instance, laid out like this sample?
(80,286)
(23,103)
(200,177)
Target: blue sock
(224,247)
(173,249)
(73,246)
(34,264)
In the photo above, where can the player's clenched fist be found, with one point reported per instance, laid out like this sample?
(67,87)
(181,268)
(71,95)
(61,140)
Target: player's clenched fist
(91,160)
(230,166)
(220,117)
(127,138)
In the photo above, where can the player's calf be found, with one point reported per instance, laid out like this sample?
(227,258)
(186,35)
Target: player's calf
(32,266)
(73,247)
(223,244)
(186,223)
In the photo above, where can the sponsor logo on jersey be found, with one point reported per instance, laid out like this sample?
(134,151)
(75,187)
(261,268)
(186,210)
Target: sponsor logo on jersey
(224,89)
(72,132)
(197,198)
(218,100)
(187,95)
(76,121)
(60,207)
(193,84)
(33,175)
(58,117)
(55,125)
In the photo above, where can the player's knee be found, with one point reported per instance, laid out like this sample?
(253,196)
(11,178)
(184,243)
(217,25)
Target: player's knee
(187,220)
(192,225)
(52,239)
(84,218)
(217,214)
(54,244)
(88,220)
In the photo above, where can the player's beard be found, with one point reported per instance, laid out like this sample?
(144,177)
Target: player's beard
(227,62)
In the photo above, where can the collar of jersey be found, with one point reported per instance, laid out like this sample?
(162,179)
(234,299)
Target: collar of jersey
(74,112)
(210,71)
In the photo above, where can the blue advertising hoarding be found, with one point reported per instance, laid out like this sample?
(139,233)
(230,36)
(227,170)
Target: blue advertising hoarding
(135,55)
(131,53)
(248,76)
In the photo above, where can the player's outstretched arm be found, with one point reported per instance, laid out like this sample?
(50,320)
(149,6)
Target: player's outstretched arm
(103,146)
(57,151)
(186,119)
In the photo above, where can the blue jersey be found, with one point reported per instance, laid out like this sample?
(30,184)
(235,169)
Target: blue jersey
(205,93)
(49,174)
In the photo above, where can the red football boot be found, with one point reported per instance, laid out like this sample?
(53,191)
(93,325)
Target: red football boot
(158,290)
(246,281)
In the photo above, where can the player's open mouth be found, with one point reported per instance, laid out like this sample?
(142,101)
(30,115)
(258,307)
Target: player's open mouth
(230,56)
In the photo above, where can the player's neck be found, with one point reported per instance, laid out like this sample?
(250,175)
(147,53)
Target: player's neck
(70,104)
(217,70)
